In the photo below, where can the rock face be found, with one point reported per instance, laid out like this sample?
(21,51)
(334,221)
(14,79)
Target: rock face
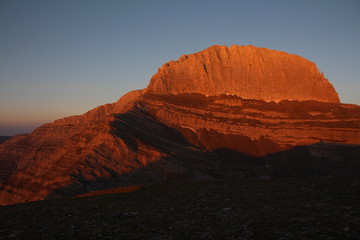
(237,112)
(244,71)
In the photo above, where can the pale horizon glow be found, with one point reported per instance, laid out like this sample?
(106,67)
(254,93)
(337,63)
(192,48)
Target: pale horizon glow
(63,58)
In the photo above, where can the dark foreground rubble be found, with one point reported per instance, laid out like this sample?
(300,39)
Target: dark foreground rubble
(302,208)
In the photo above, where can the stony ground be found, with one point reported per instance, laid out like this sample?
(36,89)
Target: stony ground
(308,208)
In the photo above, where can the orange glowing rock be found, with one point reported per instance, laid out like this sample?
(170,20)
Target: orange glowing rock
(244,71)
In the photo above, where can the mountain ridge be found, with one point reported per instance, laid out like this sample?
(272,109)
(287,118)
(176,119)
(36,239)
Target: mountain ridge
(4,138)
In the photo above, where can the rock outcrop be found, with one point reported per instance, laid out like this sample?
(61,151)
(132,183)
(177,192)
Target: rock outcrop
(244,71)
(223,112)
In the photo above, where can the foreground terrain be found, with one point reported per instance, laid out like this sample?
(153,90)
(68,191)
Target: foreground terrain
(297,208)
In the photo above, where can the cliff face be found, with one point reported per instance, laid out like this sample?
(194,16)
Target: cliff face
(244,71)
(207,115)
(255,127)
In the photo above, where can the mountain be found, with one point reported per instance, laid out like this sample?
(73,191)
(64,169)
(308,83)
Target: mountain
(223,112)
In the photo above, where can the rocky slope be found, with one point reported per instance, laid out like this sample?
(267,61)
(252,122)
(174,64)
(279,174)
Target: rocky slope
(301,208)
(222,112)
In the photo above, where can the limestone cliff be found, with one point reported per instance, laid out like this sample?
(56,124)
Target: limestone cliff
(244,71)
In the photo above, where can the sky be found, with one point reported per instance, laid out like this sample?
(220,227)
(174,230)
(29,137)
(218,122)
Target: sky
(62,58)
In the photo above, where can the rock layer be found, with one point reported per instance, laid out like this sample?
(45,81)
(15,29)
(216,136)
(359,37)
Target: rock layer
(255,127)
(194,121)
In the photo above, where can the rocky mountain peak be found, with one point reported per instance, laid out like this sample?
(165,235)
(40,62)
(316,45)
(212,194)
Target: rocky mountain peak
(220,113)
(244,71)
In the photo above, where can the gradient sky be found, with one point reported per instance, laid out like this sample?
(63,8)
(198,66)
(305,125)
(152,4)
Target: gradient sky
(61,58)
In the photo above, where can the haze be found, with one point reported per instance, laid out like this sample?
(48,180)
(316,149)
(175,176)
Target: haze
(61,58)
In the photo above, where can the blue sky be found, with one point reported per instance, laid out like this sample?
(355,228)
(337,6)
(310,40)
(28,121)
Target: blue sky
(61,58)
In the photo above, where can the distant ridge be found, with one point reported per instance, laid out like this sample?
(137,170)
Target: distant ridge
(4,138)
